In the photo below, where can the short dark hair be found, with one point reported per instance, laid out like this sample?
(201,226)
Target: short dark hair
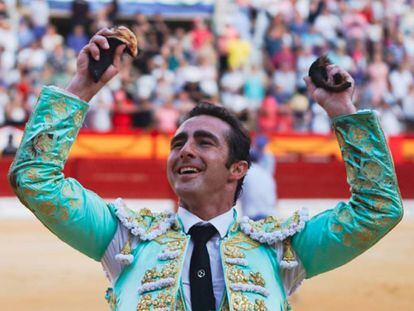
(238,138)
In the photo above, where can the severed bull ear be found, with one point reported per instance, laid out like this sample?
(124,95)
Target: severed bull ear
(122,35)
(319,76)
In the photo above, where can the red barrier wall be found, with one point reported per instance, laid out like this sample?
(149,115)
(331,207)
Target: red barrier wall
(146,178)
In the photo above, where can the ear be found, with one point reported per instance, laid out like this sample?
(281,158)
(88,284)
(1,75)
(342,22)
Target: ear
(238,170)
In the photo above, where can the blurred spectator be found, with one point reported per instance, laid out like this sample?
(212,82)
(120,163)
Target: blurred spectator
(166,117)
(255,87)
(299,105)
(10,149)
(328,25)
(80,14)
(160,30)
(267,118)
(390,113)
(39,17)
(378,79)
(401,79)
(275,36)
(254,65)
(99,117)
(284,82)
(112,11)
(263,157)
(78,38)
(4,99)
(284,56)
(199,34)
(8,39)
(3,9)
(32,57)
(51,39)
(16,110)
(408,109)
(320,123)
(305,58)
(26,34)
(241,19)
(341,58)
(238,52)
(258,199)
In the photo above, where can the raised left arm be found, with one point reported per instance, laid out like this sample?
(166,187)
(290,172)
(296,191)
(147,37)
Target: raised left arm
(336,236)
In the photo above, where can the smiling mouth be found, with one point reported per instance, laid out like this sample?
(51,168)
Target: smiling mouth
(188,170)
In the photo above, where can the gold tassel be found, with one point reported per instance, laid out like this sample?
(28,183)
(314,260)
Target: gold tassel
(288,254)
(126,250)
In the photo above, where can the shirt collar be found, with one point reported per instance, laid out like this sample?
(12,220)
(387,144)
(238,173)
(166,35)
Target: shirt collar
(221,222)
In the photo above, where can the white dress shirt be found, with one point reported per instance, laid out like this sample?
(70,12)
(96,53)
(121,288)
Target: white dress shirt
(291,278)
(222,224)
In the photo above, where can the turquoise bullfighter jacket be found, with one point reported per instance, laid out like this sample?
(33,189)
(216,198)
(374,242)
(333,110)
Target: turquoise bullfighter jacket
(257,256)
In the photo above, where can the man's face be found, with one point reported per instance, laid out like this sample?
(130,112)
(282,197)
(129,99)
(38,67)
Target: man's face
(197,161)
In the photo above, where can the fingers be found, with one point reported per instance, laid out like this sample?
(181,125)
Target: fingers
(99,40)
(105,32)
(96,42)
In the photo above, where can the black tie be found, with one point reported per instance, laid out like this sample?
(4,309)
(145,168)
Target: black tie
(201,285)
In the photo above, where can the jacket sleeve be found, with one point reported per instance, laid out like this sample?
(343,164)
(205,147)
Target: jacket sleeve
(336,236)
(76,215)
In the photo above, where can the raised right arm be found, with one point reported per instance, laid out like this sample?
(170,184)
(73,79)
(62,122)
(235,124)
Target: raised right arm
(76,215)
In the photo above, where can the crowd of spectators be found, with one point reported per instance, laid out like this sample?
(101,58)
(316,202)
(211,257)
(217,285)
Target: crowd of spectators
(253,63)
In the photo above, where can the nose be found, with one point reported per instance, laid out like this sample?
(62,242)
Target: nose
(187,151)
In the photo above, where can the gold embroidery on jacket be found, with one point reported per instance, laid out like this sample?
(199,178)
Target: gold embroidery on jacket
(372,170)
(60,109)
(357,135)
(337,228)
(242,303)
(47,208)
(78,118)
(64,214)
(163,301)
(43,142)
(344,215)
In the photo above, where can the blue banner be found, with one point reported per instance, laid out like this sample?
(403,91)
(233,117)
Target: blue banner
(147,7)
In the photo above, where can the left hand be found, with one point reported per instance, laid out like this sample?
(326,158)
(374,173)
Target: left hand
(82,84)
(335,104)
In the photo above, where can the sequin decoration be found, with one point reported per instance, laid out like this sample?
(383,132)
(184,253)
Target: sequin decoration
(162,302)
(154,279)
(242,303)
(240,282)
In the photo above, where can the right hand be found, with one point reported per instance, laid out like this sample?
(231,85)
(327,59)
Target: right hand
(82,84)
(335,104)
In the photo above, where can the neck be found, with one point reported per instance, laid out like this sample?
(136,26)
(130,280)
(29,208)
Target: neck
(206,210)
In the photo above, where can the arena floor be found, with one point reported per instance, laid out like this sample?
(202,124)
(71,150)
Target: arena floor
(40,273)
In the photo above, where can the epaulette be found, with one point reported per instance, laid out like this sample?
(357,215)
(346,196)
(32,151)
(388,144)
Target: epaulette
(144,223)
(272,230)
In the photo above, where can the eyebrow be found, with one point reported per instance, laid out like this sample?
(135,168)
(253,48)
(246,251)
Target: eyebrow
(206,134)
(178,137)
(197,134)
